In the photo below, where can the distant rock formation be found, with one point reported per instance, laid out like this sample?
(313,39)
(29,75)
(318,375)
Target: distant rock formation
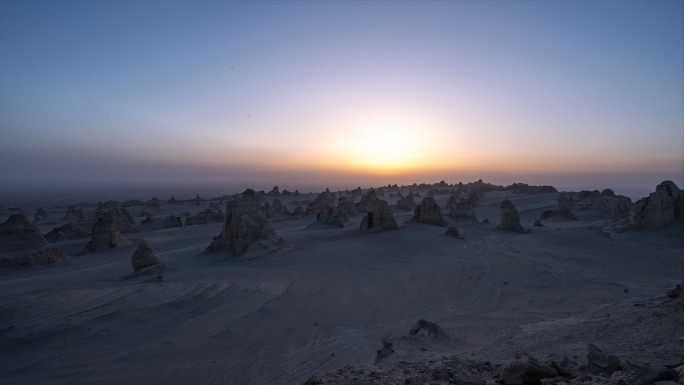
(42,214)
(153,204)
(330,216)
(278,208)
(428,212)
(510,218)
(172,201)
(106,232)
(154,223)
(407,203)
(367,201)
(74,214)
(345,206)
(143,258)
(274,192)
(21,244)
(661,208)
(245,226)
(67,232)
(298,211)
(563,208)
(617,206)
(324,201)
(204,217)
(524,188)
(379,217)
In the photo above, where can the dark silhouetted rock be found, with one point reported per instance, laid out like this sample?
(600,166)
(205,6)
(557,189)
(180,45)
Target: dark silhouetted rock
(526,371)
(154,223)
(425,328)
(661,208)
(453,232)
(379,217)
(106,232)
(676,292)
(21,244)
(67,232)
(42,214)
(323,201)
(245,226)
(330,216)
(345,206)
(278,208)
(172,201)
(367,201)
(564,207)
(74,214)
(428,212)
(274,192)
(143,257)
(653,373)
(153,204)
(510,218)
(298,211)
(596,361)
(204,217)
(407,203)
(386,351)
(538,223)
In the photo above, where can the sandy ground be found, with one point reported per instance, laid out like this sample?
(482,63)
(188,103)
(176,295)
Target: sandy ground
(330,296)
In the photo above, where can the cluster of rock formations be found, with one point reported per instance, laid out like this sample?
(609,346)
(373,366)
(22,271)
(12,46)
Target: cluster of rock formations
(245,226)
(154,223)
(21,244)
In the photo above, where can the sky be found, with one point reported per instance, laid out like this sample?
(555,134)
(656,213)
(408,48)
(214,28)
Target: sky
(569,93)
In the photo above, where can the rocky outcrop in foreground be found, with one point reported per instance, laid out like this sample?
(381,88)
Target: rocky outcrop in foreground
(510,218)
(245,227)
(661,208)
(21,244)
(67,232)
(597,367)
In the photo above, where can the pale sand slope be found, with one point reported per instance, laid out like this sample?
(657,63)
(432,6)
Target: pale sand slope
(328,299)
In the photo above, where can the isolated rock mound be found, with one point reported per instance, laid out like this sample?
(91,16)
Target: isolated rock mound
(330,216)
(453,232)
(367,201)
(428,212)
(143,258)
(245,226)
(323,201)
(379,217)
(424,328)
(661,208)
(21,244)
(345,206)
(278,208)
(510,218)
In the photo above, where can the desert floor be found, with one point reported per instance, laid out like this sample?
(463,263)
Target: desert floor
(330,295)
